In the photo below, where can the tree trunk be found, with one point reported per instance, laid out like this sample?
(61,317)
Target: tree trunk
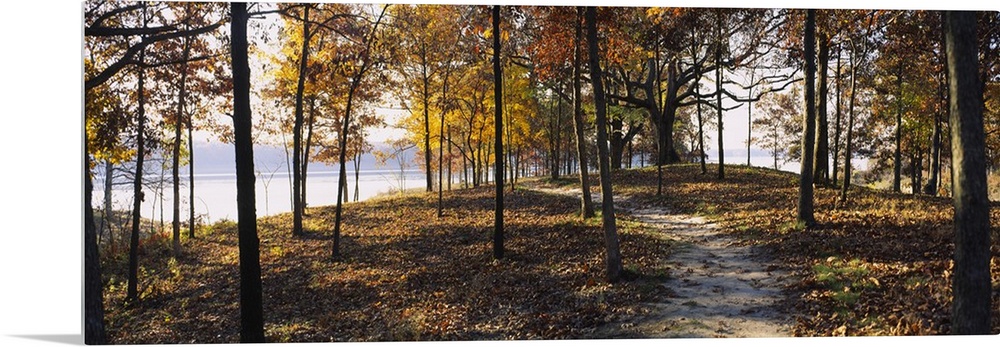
(578,122)
(667,116)
(919,170)
(630,156)
(718,94)
(441,143)
(175,169)
(935,182)
(805,212)
(357,175)
(109,175)
(465,171)
(971,282)
(558,138)
(427,126)
(251,292)
(342,176)
(451,177)
(612,257)
(617,143)
(848,150)
(836,132)
(305,154)
(701,126)
(935,169)
(498,239)
(821,160)
(297,203)
(897,152)
(93,291)
(190,178)
(750,116)
(133,253)
(718,105)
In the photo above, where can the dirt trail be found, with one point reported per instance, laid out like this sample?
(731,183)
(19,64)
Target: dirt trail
(721,289)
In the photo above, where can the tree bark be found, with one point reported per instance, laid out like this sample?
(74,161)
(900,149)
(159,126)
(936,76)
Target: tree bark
(451,176)
(805,211)
(821,167)
(612,257)
(305,154)
(935,181)
(971,285)
(498,237)
(750,116)
(836,132)
(848,150)
(190,178)
(935,169)
(93,291)
(587,209)
(109,173)
(701,127)
(897,152)
(342,176)
(427,124)
(718,95)
(297,203)
(132,293)
(558,138)
(357,175)
(661,145)
(175,169)
(251,292)
(441,144)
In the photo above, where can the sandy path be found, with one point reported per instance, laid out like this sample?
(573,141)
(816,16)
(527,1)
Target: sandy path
(720,288)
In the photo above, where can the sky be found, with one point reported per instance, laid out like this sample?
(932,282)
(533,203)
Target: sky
(41,137)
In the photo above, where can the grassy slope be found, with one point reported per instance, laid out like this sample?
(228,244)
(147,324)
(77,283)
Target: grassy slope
(407,275)
(878,265)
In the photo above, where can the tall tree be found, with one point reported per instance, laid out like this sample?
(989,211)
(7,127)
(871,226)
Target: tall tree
(176,157)
(356,67)
(612,256)
(805,211)
(718,86)
(821,157)
(836,132)
(848,145)
(251,291)
(587,208)
(132,293)
(897,152)
(498,237)
(298,205)
(971,282)
(859,48)
(93,290)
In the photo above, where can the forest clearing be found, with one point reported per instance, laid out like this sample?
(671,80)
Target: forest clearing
(581,172)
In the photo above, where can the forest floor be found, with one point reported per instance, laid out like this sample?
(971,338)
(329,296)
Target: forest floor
(405,275)
(878,265)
